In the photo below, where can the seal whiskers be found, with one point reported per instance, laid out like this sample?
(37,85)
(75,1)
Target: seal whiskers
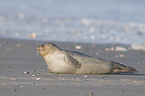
(36,50)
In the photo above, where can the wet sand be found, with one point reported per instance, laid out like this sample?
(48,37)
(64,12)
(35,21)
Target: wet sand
(23,73)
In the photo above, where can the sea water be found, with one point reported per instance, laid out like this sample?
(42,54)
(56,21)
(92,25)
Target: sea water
(96,21)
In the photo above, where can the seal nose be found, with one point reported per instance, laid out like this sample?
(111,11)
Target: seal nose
(43,45)
(39,47)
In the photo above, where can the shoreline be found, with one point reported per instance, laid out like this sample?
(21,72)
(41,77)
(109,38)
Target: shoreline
(40,40)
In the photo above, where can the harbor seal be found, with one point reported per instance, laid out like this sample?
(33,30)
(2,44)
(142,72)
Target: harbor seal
(61,61)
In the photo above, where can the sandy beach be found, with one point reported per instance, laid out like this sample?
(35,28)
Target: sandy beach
(24,73)
(104,29)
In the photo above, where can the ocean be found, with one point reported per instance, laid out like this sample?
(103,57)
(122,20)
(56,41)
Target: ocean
(95,21)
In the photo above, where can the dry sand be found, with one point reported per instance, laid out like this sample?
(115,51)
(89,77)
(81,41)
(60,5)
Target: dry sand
(23,73)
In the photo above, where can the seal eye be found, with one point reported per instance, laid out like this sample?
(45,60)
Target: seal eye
(46,45)
(50,44)
(43,45)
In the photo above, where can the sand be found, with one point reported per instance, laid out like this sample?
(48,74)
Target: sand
(23,73)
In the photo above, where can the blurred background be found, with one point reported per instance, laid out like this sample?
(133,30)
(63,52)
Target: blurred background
(91,21)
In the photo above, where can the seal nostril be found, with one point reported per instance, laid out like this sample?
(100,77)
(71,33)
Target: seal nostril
(43,45)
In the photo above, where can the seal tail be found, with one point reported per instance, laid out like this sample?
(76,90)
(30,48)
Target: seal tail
(120,68)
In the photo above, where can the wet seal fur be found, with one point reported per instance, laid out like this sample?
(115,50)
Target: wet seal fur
(61,61)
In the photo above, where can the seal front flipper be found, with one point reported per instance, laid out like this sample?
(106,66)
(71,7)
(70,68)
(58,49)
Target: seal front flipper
(69,59)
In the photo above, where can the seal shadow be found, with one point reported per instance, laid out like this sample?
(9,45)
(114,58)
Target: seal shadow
(130,74)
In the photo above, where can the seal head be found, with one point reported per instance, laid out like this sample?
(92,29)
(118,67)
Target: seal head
(47,49)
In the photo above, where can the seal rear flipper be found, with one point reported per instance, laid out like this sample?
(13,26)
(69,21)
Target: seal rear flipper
(69,59)
(120,68)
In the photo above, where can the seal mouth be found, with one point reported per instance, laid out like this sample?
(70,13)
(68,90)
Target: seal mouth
(39,48)
(42,50)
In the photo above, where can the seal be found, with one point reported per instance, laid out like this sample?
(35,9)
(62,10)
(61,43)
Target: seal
(61,61)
